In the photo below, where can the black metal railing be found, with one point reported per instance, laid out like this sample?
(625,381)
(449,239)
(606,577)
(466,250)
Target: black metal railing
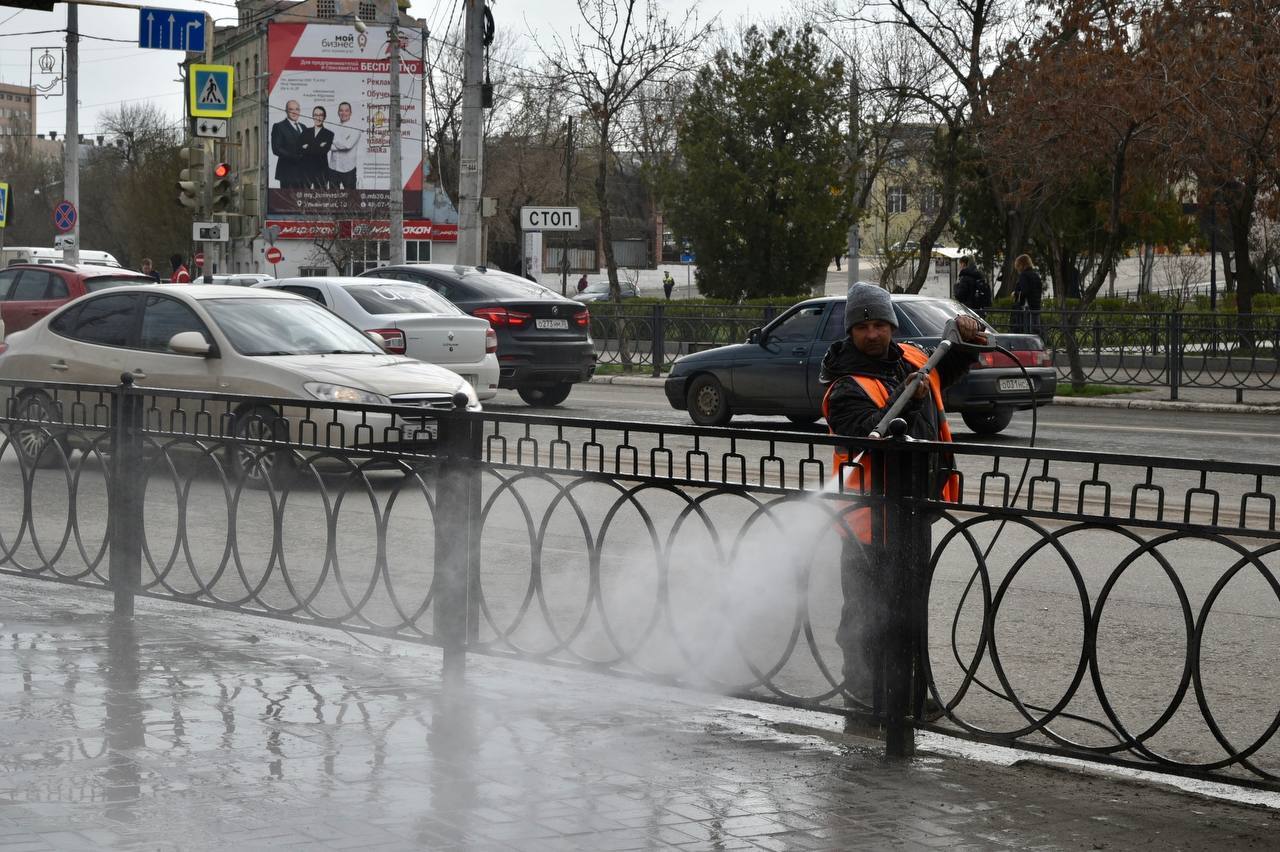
(1112,608)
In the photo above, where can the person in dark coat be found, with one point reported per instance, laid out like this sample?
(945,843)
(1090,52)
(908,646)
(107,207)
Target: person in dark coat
(863,373)
(317,140)
(286,144)
(972,289)
(1026,296)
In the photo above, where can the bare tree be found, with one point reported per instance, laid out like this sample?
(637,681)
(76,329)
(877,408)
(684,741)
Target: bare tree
(622,46)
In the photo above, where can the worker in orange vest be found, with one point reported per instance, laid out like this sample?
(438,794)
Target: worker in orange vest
(863,372)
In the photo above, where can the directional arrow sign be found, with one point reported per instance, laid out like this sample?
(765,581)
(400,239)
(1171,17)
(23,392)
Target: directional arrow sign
(210,95)
(171,29)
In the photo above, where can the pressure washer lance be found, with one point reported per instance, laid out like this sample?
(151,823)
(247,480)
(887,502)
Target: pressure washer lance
(950,338)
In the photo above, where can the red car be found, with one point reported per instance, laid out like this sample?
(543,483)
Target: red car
(28,291)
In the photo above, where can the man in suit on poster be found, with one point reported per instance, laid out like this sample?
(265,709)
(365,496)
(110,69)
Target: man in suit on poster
(286,144)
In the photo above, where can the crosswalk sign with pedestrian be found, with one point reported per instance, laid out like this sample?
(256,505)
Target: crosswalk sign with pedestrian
(210,91)
(6,204)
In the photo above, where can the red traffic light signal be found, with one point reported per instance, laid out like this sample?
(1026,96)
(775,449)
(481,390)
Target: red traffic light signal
(221,170)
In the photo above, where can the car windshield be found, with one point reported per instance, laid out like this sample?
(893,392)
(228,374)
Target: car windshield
(598,287)
(930,315)
(103,282)
(286,327)
(400,299)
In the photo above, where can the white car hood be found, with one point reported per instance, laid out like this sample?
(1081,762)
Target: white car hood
(388,375)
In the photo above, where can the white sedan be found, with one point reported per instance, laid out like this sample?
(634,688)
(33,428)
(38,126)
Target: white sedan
(413,320)
(233,340)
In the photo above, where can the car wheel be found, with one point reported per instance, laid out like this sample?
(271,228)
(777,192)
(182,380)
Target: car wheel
(252,463)
(545,396)
(707,403)
(40,446)
(988,422)
(803,419)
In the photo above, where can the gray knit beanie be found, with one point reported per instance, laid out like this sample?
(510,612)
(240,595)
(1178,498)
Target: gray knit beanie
(868,302)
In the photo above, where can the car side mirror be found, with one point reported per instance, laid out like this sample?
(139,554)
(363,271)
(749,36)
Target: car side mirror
(191,343)
(378,339)
(755,335)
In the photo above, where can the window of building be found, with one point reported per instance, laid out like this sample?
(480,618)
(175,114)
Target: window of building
(326,9)
(897,199)
(368,11)
(930,199)
(371,255)
(255,73)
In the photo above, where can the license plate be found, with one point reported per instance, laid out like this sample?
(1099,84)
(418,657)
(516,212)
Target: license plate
(1014,385)
(552,323)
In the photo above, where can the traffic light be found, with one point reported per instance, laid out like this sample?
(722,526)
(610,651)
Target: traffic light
(223,188)
(191,178)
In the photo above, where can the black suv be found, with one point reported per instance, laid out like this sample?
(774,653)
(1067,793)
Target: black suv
(544,339)
(776,370)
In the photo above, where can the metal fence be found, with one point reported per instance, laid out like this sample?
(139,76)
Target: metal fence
(1113,608)
(1173,350)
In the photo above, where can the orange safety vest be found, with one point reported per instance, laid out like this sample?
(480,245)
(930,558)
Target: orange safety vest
(858,478)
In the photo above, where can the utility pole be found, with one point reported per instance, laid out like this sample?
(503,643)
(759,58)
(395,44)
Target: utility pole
(71,148)
(854,172)
(568,188)
(396,201)
(471,165)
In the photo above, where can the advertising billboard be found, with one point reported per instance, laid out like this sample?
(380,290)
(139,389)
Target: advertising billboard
(329,98)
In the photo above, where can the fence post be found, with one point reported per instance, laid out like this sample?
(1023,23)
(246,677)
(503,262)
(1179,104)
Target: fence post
(901,550)
(457,511)
(659,335)
(128,483)
(1175,353)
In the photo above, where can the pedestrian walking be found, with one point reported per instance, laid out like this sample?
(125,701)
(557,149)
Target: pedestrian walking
(1026,296)
(668,284)
(582,283)
(863,373)
(180,274)
(972,289)
(149,270)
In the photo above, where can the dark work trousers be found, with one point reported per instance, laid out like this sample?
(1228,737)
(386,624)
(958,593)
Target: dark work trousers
(872,611)
(863,617)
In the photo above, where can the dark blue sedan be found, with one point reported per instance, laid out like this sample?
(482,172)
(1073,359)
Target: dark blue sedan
(776,370)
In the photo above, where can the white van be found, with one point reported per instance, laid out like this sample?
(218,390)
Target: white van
(28,254)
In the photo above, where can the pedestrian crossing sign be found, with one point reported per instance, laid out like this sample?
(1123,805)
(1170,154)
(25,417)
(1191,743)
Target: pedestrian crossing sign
(6,204)
(210,91)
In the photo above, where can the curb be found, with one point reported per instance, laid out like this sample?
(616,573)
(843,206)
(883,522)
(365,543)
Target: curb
(1135,404)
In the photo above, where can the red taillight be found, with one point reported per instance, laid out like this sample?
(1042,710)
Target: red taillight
(490,340)
(501,316)
(394,338)
(582,318)
(1025,357)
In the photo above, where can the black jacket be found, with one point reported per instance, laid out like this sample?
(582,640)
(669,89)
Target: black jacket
(286,144)
(967,287)
(1026,290)
(852,413)
(315,156)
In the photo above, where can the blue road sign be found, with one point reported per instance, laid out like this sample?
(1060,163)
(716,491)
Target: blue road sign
(64,216)
(171,29)
(686,257)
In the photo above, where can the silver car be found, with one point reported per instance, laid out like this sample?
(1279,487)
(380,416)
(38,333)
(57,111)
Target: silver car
(412,320)
(220,339)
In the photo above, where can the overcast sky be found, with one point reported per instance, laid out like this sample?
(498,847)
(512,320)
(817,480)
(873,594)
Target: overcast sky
(115,71)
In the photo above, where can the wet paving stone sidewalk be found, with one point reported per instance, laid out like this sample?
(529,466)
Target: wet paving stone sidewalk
(186,728)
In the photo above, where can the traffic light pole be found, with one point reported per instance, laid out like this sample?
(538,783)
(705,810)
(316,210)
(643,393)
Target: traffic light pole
(71,148)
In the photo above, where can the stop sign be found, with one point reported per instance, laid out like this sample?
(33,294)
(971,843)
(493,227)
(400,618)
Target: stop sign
(274,255)
(198,260)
